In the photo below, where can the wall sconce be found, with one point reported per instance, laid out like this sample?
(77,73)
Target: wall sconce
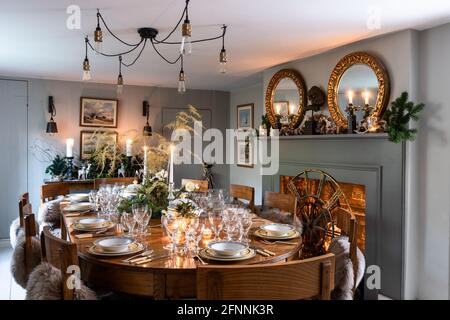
(51,124)
(146,112)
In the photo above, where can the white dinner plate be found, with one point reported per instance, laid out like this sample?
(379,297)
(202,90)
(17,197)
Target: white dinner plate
(277,229)
(81,206)
(133,248)
(78,197)
(81,227)
(246,254)
(290,235)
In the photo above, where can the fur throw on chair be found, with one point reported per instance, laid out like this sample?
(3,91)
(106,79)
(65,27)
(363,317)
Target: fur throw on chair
(275,215)
(14,232)
(344,275)
(45,284)
(50,213)
(18,268)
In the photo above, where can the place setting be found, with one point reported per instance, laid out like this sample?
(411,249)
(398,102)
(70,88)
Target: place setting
(92,227)
(277,232)
(115,246)
(227,251)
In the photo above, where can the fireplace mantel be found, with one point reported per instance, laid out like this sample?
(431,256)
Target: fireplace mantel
(378,164)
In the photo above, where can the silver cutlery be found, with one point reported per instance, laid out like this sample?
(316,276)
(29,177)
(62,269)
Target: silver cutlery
(278,241)
(143,254)
(200,259)
(263,250)
(150,259)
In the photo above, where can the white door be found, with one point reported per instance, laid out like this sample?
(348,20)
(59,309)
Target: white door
(13,150)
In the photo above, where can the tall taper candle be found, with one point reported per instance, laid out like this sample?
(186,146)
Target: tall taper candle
(145,164)
(129,147)
(69,148)
(172,148)
(350,97)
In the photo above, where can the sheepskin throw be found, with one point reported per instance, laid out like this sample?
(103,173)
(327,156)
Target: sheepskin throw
(344,275)
(50,212)
(275,214)
(45,284)
(18,267)
(14,232)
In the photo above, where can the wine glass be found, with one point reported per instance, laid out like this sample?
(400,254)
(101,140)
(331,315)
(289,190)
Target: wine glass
(171,225)
(246,224)
(216,221)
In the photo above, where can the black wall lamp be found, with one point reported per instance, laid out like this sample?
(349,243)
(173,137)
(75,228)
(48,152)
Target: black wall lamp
(51,124)
(146,112)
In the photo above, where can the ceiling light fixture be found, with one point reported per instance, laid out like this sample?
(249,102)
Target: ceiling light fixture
(149,34)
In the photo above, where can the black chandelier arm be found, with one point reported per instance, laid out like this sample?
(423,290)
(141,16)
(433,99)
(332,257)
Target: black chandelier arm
(176,26)
(137,57)
(115,54)
(222,36)
(164,58)
(112,33)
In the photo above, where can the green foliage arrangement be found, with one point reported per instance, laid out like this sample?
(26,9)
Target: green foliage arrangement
(398,117)
(265,121)
(58,167)
(186,210)
(153,192)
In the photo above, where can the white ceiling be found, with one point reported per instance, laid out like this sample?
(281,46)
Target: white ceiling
(261,33)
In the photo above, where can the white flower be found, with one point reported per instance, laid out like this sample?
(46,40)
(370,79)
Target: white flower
(191,187)
(161,175)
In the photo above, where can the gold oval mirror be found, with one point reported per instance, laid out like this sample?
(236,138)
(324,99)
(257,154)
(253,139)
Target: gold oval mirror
(285,99)
(359,79)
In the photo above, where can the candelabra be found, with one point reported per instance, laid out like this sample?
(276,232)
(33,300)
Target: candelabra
(171,196)
(69,168)
(351,118)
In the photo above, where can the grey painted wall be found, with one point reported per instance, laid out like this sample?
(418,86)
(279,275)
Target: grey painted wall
(67,101)
(398,51)
(242,175)
(434,164)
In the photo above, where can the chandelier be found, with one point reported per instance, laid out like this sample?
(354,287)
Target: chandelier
(149,34)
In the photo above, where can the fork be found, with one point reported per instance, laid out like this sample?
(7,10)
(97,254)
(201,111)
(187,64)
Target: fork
(201,260)
(278,241)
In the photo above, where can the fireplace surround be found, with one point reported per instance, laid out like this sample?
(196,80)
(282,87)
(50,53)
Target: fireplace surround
(375,163)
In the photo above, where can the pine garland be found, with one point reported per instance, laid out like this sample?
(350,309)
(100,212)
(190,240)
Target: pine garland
(398,117)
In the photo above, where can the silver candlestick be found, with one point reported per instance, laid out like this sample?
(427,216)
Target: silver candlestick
(171,195)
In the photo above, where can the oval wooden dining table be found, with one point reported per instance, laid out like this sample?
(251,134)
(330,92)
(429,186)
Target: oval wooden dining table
(172,277)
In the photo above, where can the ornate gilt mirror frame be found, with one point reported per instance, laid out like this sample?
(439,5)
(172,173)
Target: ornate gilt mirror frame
(343,65)
(270,94)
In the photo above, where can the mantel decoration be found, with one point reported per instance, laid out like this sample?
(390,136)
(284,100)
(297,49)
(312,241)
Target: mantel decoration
(150,34)
(286,83)
(398,117)
(316,99)
(357,79)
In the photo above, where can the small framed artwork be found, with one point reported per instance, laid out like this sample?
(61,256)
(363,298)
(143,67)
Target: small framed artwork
(245,116)
(245,153)
(98,112)
(281,108)
(88,141)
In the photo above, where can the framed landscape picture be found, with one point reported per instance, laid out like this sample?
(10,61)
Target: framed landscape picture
(98,112)
(88,141)
(244,154)
(245,116)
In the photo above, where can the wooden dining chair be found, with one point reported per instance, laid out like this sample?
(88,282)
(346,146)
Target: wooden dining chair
(294,280)
(60,254)
(346,224)
(240,192)
(24,199)
(282,201)
(101,181)
(26,255)
(51,191)
(202,184)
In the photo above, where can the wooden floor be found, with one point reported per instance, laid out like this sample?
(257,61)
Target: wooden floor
(9,289)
